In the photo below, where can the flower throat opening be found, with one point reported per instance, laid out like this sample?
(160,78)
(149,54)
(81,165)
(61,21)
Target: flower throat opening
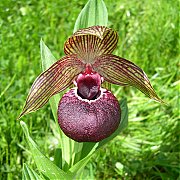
(88,84)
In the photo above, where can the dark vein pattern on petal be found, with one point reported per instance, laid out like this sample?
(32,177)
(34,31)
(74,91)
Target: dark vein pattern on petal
(52,81)
(120,71)
(91,42)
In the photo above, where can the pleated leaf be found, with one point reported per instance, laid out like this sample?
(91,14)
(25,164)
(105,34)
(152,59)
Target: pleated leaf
(45,166)
(47,58)
(120,71)
(93,13)
(52,81)
(29,174)
(91,42)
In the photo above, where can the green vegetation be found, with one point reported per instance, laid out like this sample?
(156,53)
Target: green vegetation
(148,35)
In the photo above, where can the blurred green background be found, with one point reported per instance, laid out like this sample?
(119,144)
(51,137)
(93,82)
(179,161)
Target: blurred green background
(148,35)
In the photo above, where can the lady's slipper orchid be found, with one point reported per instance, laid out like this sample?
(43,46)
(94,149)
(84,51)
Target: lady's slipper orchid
(88,112)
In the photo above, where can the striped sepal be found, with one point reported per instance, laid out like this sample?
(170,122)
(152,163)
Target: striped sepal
(91,42)
(120,71)
(55,79)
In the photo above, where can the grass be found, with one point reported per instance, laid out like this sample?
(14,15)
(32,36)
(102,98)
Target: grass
(148,35)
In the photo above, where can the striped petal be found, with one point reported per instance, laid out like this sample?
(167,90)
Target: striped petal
(91,42)
(52,81)
(120,71)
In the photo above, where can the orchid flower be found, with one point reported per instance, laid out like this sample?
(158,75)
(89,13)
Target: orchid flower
(88,112)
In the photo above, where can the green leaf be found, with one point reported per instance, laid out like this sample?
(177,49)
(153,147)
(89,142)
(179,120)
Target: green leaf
(82,163)
(29,174)
(58,157)
(68,145)
(94,13)
(47,57)
(47,60)
(45,166)
(87,147)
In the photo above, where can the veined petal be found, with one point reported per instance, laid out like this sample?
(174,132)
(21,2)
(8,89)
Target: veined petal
(52,81)
(123,72)
(91,42)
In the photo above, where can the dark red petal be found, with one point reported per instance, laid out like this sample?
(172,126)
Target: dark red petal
(120,71)
(91,42)
(52,81)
